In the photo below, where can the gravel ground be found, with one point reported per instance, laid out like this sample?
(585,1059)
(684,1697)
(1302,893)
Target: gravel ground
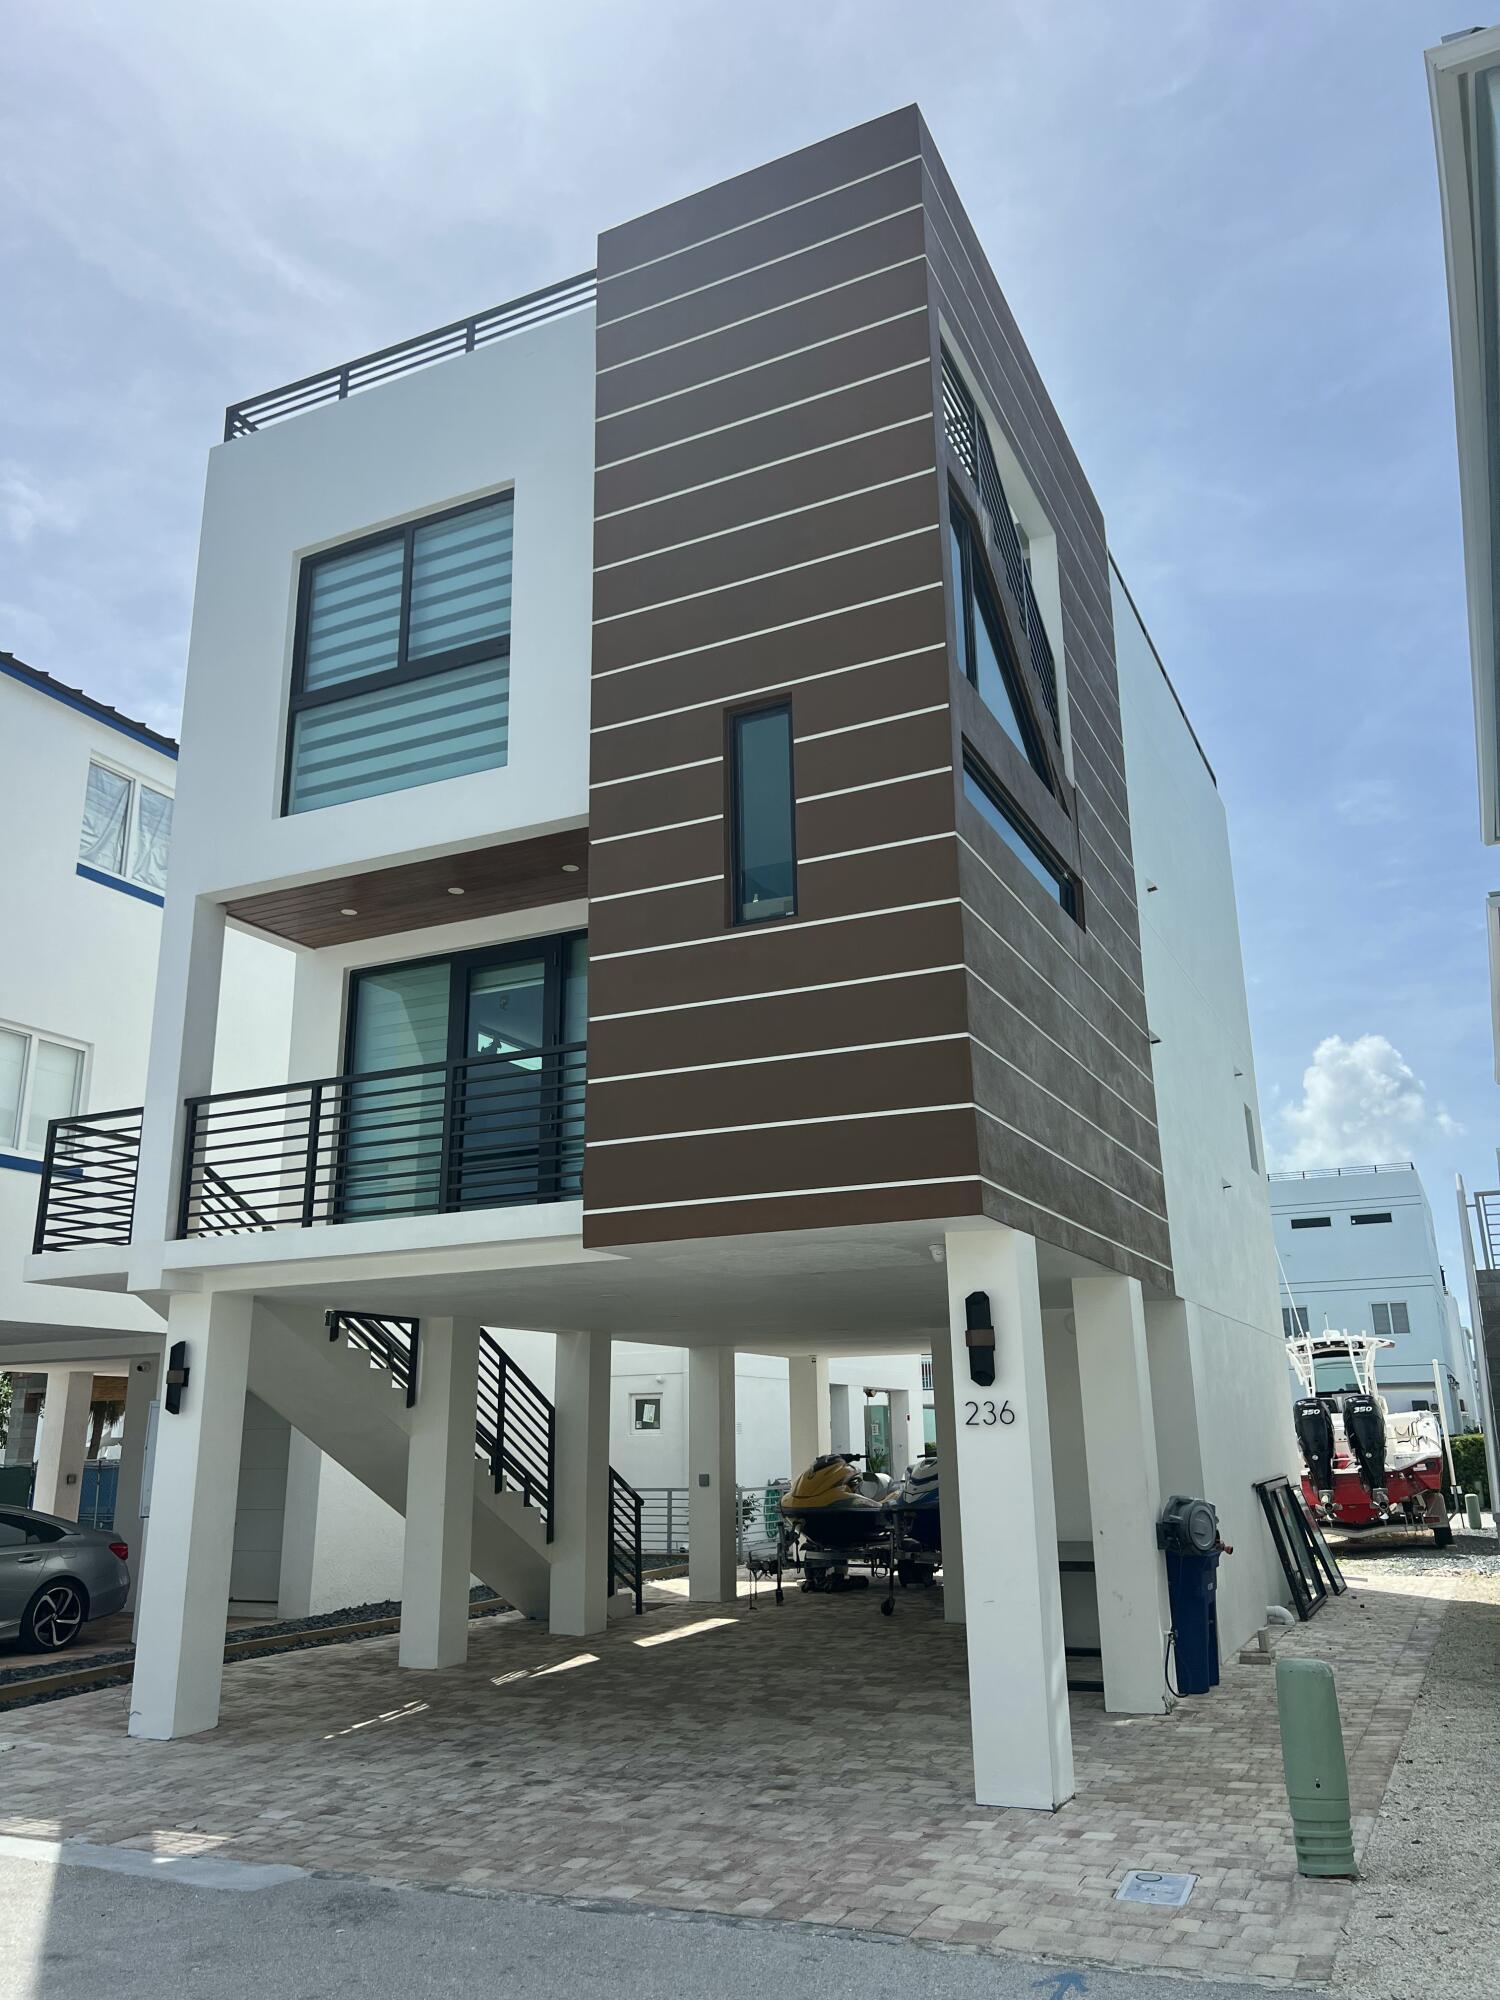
(1426,1919)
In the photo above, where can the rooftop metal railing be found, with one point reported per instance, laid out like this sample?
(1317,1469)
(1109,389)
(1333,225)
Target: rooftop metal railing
(368,371)
(1341,1173)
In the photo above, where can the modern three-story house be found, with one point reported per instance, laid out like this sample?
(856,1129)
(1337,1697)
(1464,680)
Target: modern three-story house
(753,887)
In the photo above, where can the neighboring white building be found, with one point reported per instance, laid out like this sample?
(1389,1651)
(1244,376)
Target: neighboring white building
(754,893)
(1360,1255)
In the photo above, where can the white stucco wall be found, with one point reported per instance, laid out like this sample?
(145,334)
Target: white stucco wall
(78,961)
(518,413)
(1223,1258)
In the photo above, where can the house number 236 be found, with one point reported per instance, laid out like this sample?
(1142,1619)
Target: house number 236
(986,1414)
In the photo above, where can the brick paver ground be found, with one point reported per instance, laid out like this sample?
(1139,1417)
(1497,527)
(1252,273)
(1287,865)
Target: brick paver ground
(808,1762)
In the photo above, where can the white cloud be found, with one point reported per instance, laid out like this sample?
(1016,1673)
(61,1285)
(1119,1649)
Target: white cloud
(26,506)
(1361,1102)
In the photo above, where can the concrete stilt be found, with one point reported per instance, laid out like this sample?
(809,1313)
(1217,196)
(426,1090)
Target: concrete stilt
(179,1659)
(809,1409)
(712,1570)
(439,1528)
(953,1527)
(58,1487)
(580,1546)
(1018,1694)
(1119,1431)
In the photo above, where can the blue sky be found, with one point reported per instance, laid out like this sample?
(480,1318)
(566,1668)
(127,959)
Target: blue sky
(1217,224)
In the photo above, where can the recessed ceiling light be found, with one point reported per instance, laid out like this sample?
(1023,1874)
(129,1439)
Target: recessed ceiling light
(455,891)
(348,913)
(570,868)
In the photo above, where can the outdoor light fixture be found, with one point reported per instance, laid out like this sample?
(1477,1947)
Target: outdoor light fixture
(454,890)
(176,1377)
(979,1338)
(570,868)
(346,912)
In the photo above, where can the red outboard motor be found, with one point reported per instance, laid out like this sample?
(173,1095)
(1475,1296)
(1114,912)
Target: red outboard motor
(1315,1436)
(1364,1427)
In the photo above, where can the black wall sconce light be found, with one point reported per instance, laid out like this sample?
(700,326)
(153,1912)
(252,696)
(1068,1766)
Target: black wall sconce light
(176,1377)
(979,1338)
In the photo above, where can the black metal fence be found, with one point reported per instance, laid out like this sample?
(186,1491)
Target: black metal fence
(460,336)
(88,1180)
(486,1132)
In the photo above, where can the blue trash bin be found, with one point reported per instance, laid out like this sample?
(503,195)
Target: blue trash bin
(1193,1586)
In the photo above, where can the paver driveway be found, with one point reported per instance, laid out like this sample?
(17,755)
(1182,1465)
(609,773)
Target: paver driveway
(807,1762)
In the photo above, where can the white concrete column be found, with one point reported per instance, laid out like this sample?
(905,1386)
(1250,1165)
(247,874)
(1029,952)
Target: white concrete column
(299,1526)
(1018,1692)
(809,1408)
(580,1542)
(1119,1435)
(905,1447)
(438,1540)
(142,1377)
(952,1519)
(184,1603)
(183,1030)
(65,1441)
(712,1571)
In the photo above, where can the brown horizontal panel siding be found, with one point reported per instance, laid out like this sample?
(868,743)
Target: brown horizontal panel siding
(750,1093)
(784,1159)
(822,1208)
(891,1010)
(1067,1127)
(767,529)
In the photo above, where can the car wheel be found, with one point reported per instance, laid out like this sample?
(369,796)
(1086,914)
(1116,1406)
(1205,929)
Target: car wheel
(54,1617)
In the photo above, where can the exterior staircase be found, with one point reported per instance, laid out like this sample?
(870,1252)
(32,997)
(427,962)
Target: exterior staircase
(348,1382)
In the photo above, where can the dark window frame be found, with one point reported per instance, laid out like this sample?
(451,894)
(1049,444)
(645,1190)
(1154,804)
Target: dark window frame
(302,698)
(976,598)
(734,719)
(1070,888)
(1371,1215)
(1311,1222)
(552,948)
(636,1403)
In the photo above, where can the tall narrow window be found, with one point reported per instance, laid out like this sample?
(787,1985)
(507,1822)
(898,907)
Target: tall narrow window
(402,671)
(764,862)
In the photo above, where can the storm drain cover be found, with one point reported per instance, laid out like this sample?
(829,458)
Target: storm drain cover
(1142,1885)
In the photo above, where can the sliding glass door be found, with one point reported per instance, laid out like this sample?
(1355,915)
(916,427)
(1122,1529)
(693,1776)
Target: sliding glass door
(498,1117)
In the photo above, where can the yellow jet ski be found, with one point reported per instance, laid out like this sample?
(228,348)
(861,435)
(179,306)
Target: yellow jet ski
(839,1514)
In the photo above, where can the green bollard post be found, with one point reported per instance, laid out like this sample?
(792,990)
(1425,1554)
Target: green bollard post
(1471,1510)
(1317,1777)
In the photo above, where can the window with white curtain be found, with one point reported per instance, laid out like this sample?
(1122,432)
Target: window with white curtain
(127,828)
(40,1079)
(401,667)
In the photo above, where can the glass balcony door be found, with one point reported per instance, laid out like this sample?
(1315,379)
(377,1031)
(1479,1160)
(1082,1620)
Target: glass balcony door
(497,1117)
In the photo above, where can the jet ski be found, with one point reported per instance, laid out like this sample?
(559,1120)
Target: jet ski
(839,1513)
(914,1508)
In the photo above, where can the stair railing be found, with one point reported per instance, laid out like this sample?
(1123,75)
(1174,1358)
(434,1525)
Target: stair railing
(626,1566)
(390,1343)
(515,1430)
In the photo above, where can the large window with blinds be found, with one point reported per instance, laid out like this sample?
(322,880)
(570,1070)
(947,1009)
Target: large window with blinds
(401,670)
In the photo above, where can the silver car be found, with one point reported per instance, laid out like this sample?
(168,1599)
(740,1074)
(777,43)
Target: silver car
(55,1576)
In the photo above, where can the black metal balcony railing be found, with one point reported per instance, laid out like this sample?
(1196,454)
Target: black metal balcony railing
(487,1132)
(88,1180)
(460,336)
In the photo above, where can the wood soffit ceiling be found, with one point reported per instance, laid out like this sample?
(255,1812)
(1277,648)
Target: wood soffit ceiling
(517,875)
